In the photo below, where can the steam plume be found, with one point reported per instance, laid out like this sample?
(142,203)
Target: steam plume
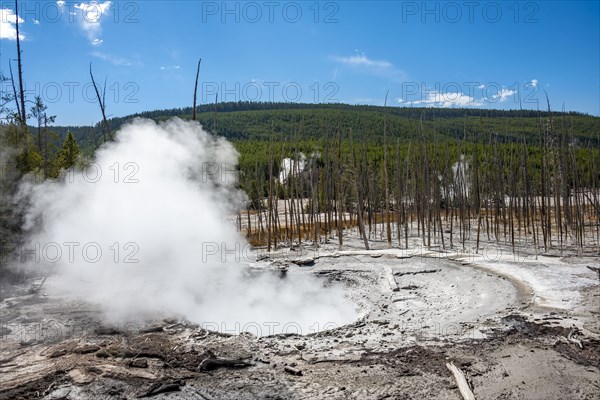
(163,199)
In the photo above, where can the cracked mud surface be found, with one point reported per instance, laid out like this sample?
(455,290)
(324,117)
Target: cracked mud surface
(415,315)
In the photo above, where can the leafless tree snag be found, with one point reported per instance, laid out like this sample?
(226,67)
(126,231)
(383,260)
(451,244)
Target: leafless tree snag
(23,111)
(461,381)
(196,91)
(102,104)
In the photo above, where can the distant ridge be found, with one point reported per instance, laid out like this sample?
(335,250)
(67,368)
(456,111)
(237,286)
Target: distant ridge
(258,120)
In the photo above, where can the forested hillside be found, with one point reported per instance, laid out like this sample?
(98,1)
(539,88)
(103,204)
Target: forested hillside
(265,121)
(386,161)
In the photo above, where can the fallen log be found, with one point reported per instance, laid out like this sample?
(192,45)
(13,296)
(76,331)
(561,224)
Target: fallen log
(212,363)
(107,330)
(461,381)
(152,329)
(163,387)
(292,370)
(391,280)
(425,271)
(303,262)
(138,363)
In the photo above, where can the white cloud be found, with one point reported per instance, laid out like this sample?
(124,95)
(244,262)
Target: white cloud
(118,61)
(362,60)
(170,67)
(8,20)
(435,98)
(457,98)
(534,82)
(503,95)
(90,17)
(36,21)
(61,3)
(382,68)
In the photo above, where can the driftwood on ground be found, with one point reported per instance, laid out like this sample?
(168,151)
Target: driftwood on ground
(292,371)
(391,280)
(211,363)
(163,387)
(461,381)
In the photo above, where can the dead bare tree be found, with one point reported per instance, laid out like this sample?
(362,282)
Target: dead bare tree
(102,104)
(23,111)
(270,230)
(196,91)
(358,195)
(16,98)
(386,178)
(338,192)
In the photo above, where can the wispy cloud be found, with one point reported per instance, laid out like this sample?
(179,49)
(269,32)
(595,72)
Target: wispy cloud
(435,98)
(168,67)
(361,63)
(89,18)
(8,20)
(534,83)
(458,98)
(117,61)
(362,60)
(503,95)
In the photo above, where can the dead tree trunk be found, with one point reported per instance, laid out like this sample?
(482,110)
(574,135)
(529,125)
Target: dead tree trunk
(196,91)
(23,116)
(386,182)
(102,104)
(14,88)
(358,196)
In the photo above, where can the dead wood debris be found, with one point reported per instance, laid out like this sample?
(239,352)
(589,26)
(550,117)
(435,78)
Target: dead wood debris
(292,370)
(461,381)
(425,271)
(211,362)
(163,387)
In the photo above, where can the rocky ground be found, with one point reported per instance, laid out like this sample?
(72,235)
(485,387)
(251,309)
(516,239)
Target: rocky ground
(519,326)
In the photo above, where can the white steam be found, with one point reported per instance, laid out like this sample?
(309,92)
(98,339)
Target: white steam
(291,167)
(151,238)
(461,172)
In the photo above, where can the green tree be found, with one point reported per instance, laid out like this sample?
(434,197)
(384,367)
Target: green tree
(69,155)
(39,112)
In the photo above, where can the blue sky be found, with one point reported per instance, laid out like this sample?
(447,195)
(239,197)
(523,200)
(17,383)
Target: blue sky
(443,54)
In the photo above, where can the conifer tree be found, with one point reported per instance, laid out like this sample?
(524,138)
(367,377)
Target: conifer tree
(69,154)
